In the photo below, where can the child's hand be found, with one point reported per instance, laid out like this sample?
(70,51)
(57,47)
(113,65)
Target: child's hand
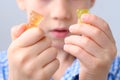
(17,30)
(93,44)
(31,56)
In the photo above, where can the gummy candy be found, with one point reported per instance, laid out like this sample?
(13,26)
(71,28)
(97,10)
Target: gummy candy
(35,19)
(80,12)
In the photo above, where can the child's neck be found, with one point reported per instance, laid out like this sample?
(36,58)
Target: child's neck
(65,61)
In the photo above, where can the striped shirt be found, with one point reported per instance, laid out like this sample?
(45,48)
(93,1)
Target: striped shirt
(72,73)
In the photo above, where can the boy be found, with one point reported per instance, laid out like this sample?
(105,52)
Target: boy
(59,48)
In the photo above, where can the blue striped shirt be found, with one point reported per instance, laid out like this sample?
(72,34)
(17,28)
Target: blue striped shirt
(72,73)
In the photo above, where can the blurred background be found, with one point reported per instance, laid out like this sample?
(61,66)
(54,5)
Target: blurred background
(10,15)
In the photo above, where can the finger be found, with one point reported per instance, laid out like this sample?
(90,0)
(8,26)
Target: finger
(16,31)
(98,23)
(39,47)
(84,43)
(46,57)
(51,68)
(85,58)
(91,32)
(30,37)
(34,50)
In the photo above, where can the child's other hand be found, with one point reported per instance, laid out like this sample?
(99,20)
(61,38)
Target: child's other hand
(95,49)
(31,56)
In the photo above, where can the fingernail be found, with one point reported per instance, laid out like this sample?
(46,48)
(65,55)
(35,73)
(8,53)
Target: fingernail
(84,17)
(71,27)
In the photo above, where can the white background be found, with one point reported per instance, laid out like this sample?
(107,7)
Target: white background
(10,15)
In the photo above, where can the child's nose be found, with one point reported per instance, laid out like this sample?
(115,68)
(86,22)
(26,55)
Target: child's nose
(61,10)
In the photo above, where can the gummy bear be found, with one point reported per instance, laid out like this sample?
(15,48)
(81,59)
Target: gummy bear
(80,12)
(35,19)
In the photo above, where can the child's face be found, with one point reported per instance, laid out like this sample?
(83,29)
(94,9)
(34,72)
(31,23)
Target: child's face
(58,16)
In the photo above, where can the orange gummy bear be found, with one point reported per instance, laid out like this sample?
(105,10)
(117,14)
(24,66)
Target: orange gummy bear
(35,19)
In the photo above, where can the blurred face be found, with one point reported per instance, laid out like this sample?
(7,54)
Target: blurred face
(58,16)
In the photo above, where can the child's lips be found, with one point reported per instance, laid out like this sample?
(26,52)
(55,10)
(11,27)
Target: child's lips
(59,33)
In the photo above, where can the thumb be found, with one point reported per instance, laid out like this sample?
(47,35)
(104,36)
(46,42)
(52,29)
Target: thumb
(16,31)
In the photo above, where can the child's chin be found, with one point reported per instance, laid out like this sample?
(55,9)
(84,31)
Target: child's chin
(58,46)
